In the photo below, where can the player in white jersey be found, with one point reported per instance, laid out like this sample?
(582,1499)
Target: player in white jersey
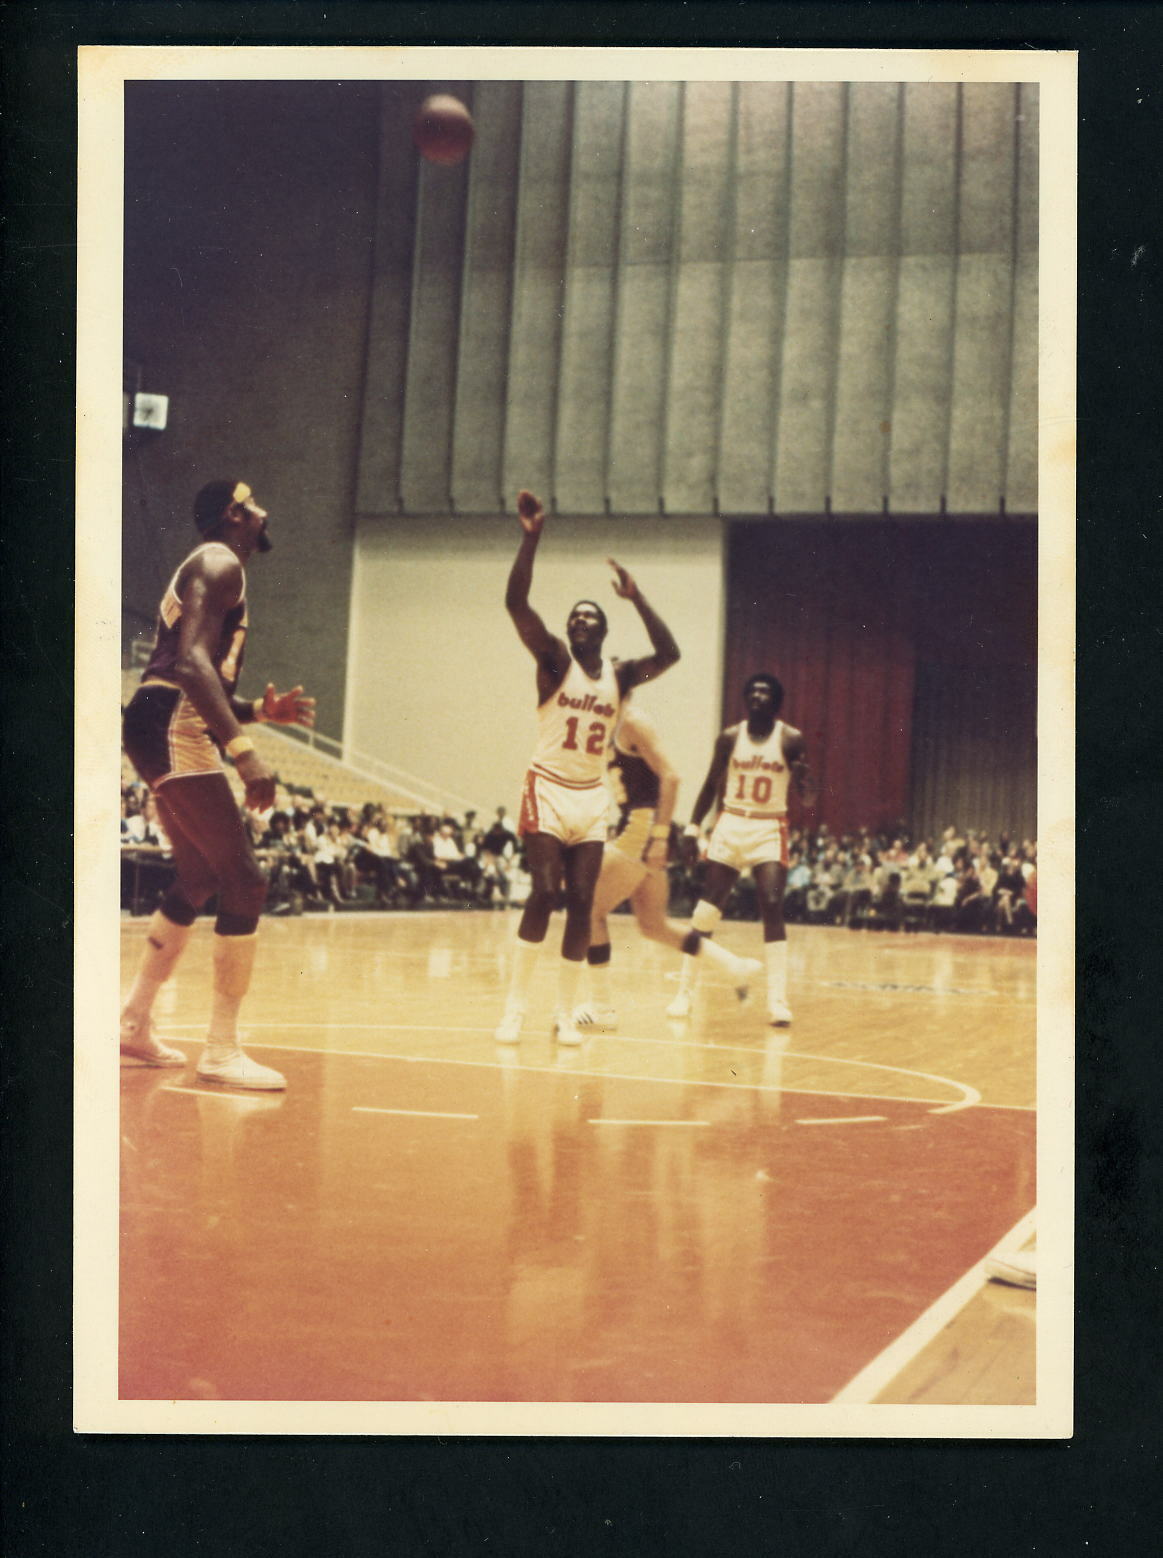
(565,800)
(748,779)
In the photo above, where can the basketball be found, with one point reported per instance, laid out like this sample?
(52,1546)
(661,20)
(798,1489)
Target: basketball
(443,129)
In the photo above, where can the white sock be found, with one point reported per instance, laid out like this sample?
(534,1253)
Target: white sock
(568,979)
(164,944)
(704,919)
(718,957)
(775,956)
(600,983)
(233,964)
(525,955)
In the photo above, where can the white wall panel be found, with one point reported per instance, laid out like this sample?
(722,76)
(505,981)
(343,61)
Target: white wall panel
(440,685)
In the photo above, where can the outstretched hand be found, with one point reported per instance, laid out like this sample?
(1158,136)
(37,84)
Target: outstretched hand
(287,708)
(530,512)
(623,583)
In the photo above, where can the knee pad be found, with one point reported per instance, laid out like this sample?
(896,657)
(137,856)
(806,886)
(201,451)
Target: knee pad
(228,924)
(178,909)
(706,917)
(597,956)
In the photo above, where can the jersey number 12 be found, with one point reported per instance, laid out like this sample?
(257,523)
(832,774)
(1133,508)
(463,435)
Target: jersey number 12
(595,740)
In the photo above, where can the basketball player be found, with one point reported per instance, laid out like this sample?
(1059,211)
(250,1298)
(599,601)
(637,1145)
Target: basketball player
(182,717)
(645,787)
(751,766)
(564,801)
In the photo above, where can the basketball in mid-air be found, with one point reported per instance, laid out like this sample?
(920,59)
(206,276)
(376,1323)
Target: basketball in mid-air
(443,129)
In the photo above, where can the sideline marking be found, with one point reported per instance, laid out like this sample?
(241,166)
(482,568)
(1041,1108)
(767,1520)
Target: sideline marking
(876,1376)
(423,1114)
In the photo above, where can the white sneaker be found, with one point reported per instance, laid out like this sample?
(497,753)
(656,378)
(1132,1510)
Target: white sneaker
(597,1019)
(564,1029)
(138,1043)
(778,1014)
(236,1069)
(680,1006)
(1019,1268)
(508,1030)
(743,973)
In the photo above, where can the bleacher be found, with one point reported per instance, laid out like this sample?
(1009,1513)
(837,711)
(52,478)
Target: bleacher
(302,767)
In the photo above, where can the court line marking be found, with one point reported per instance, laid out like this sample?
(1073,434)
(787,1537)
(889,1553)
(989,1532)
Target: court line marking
(622,1076)
(969,1095)
(863,1388)
(424,1114)
(603,1121)
(845,1119)
(242,1096)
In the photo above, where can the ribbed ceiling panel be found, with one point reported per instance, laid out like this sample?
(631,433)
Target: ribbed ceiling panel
(709,298)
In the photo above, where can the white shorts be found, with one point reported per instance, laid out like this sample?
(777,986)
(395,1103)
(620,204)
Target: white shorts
(572,813)
(739,842)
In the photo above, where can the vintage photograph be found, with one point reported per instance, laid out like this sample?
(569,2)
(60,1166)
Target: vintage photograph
(582,543)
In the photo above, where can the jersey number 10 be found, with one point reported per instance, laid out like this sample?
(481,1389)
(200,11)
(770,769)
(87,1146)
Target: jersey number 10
(760,789)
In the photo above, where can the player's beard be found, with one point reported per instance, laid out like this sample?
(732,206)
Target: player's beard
(265,544)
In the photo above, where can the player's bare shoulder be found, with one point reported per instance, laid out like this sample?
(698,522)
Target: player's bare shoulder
(793,742)
(210,584)
(215,566)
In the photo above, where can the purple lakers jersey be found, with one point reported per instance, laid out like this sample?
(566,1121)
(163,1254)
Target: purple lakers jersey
(228,652)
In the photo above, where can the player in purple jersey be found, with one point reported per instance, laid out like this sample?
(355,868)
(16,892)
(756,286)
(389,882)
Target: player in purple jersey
(645,786)
(180,721)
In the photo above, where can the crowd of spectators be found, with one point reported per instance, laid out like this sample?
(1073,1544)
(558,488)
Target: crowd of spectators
(971,884)
(322,857)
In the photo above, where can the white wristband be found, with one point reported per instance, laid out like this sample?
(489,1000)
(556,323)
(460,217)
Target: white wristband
(692,831)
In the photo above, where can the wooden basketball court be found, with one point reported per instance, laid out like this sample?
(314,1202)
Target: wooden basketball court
(704,1211)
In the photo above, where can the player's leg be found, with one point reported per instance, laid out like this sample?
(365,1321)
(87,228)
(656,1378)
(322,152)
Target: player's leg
(544,863)
(718,881)
(770,881)
(582,867)
(649,902)
(206,812)
(167,933)
(616,882)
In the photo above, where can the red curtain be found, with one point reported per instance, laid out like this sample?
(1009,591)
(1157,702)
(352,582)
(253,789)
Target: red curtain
(842,612)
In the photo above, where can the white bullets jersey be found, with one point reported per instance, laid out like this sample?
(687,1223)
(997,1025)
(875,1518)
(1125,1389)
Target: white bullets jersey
(757,776)
(575,726)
